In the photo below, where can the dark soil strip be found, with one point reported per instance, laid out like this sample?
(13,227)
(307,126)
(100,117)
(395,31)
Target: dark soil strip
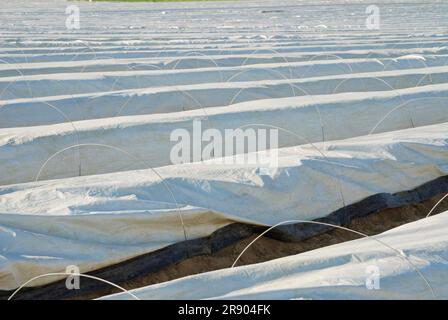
(372,215)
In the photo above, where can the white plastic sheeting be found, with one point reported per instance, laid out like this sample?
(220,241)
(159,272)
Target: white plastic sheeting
(151,100)
(154,61)
(359,269)
(100,220)
(82,82)
(49,152)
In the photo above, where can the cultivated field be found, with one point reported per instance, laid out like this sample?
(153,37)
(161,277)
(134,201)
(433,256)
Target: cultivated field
(144,142)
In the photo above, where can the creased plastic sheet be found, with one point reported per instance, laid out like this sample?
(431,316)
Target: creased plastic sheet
(142,141)
(359,269)
(95,221)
